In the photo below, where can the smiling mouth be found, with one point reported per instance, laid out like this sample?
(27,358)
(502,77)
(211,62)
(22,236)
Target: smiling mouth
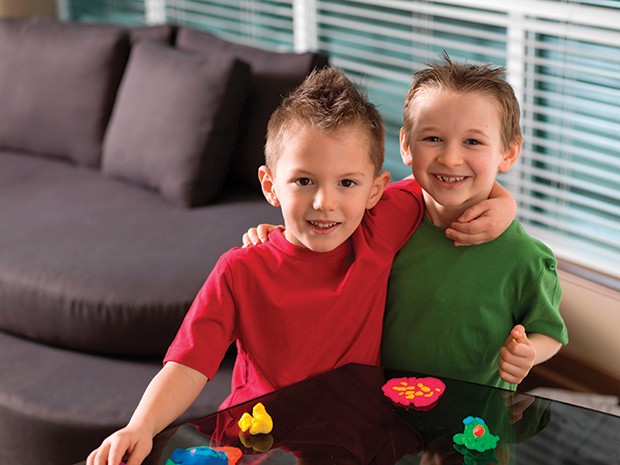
(323,225)
(449,179)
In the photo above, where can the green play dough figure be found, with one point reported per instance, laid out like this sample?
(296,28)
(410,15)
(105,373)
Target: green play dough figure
(476,435)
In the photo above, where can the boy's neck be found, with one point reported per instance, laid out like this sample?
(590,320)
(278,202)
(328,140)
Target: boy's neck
(440,215)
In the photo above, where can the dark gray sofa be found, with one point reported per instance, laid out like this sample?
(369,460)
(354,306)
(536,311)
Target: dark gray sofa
(128,161)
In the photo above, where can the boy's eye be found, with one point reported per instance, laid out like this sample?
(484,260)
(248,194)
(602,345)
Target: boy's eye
(432,139)
(303,181)
(472,142)
(347,183)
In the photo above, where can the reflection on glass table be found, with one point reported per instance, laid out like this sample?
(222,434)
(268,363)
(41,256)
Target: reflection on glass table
(343,417)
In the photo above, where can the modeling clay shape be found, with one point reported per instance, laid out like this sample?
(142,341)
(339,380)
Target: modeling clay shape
(476,435)
(421,393)
(234,454)
(200,455)
(258,423)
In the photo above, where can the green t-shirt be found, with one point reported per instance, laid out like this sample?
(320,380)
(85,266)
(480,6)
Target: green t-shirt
(450,309)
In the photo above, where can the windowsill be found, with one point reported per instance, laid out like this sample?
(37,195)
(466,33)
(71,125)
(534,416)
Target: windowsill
(597,281)
(592,314)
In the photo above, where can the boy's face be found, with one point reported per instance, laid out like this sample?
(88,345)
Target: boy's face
(455,149)
(323,182)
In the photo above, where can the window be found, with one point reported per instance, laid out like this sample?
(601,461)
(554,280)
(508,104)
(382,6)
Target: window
(562,57)
(267,23)
(112,11)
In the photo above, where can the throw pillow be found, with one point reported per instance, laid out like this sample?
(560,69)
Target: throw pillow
(57,86)
(175,120)
(273,76)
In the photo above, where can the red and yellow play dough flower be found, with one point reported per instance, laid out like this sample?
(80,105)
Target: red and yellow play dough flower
(416,392)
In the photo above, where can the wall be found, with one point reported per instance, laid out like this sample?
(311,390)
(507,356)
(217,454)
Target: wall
(591,360)
(27,7)
(592,314)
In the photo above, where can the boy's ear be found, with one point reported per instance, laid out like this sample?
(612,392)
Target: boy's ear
(380,182)
(267,184)
(405,150)
(510,156)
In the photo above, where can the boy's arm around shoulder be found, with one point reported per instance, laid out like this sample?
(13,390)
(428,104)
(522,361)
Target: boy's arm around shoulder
(397,214)
(486,220)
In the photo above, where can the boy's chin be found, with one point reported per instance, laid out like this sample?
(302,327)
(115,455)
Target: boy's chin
(320,245)
(323,245)
(323,248)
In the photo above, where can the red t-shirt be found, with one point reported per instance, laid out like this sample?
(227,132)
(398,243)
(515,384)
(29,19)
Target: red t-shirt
(295,313)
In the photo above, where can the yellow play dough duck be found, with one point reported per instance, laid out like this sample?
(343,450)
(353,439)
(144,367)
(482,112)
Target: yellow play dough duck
(258,423)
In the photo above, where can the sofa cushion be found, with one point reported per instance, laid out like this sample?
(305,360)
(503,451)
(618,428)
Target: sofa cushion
(273,75)
(96,264)
(175,121)
(58,405)
(163,33)
(68,69)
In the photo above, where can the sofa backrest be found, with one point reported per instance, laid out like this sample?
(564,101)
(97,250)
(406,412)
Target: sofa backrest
(76,91)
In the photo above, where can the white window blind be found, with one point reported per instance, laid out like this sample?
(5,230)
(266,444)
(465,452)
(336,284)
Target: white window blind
(266,23)
(113,11)
(564,63)
(562,58)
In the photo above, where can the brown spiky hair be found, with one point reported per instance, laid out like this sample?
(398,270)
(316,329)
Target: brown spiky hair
(466,78)
(328,101)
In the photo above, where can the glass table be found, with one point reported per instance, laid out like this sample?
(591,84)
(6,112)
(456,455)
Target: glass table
(343,417)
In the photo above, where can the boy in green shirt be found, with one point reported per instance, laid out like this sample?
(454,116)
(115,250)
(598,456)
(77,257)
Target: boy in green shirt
(463,312)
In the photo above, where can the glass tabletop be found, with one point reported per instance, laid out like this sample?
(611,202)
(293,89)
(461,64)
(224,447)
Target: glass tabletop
(343,417)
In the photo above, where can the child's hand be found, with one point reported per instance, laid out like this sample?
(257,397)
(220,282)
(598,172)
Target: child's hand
(486,220)
(259,234)
(481,223)
(133,444)
(517,356)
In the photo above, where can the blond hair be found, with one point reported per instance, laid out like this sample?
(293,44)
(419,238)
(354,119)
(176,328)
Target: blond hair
(484,79)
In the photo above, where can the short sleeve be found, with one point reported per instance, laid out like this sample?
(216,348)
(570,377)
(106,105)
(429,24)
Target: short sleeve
(398,213)
(539,308)
(208,328)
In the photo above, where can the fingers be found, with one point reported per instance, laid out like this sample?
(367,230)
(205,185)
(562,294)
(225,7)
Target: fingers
(476,231)
(109,453)
(252,237)
(516,356)
(263,231)
(122,447)
(518,334)
(463,238)
(511,373)
(117,453)
(100,456)
(92,457)
(139,453)
(258,235)
(481,223)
